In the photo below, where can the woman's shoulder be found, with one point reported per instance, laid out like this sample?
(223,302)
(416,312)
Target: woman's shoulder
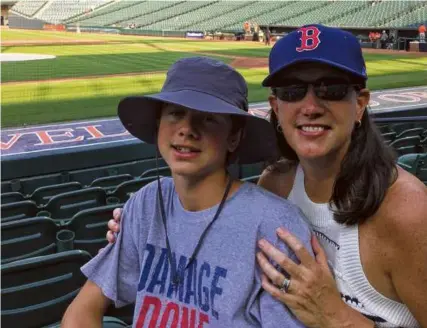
(278,178)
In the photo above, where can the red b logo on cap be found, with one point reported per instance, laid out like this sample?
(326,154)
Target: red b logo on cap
(309,38)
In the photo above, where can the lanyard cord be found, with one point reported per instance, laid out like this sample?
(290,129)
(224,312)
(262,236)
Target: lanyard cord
(176,279)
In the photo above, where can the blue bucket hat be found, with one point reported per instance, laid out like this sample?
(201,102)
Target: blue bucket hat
(317,43)
(205,85)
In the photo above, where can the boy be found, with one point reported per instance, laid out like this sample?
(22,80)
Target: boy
(186,250)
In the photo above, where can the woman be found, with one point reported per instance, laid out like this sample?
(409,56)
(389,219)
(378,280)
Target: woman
(369,215)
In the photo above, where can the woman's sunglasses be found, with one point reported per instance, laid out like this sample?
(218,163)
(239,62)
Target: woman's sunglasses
(326,89)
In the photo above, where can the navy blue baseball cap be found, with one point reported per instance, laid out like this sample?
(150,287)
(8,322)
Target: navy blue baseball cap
(205,85)
(316,43)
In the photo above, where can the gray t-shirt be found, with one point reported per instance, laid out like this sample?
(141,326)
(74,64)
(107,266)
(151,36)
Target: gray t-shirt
(222,288)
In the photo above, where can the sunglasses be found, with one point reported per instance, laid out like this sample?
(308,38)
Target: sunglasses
(325,89)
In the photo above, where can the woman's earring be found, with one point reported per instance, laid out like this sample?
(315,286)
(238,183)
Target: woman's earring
(279,128)
(358,124)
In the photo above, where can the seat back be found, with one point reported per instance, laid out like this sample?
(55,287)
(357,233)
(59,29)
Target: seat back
(406,145)
(253,179)
(410,133)
(422,168)
(162,170)
(43,194)
(18,210)
(126,189)
(11,197)
(415,164)
(90,227)
(111,182)
(37,291)
(64,206)
(27,238)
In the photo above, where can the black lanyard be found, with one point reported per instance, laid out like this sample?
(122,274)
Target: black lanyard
(175,278)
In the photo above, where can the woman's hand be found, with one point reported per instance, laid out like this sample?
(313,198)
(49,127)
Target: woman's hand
(114,225)
(311,294)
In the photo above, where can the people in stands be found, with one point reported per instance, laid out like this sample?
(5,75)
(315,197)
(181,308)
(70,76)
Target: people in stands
(383,39)
(377,39)
(267,36)
(186,250)
(422,33)
(372,36)
(368,214)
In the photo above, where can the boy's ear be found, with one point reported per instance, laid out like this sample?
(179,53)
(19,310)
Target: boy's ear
(234,140)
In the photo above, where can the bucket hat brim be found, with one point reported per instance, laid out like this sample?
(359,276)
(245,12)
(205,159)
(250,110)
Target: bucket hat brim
(139,114)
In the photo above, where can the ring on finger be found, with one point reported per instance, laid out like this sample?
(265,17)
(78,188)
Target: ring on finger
(284,287)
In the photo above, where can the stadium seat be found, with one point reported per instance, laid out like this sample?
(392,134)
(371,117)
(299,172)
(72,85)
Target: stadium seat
(11,197)
(253,179)
(384,128)
(111,182)
(423,145)
(18,210)
(163,171)
(42,194)
(415,164)
(11,186)
(90,227)
(406,145)
(27,238)
(400,127)
(410,133)
(64,206)
(251,170)
(126,189)
(37,291)
(389,136)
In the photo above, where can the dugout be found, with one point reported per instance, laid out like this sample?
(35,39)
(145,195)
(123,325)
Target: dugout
(402,36)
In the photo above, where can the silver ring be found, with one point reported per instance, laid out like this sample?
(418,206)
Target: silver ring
(285,285)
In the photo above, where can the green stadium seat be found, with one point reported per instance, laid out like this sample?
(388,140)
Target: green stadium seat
(27,238)
(126,189)
(409,162)
(42,195)
(28,8)
(64,206)
(415,164)
(410,133)
(163,171)
(423,144)
(400,127)
(11,197)
(384,128)
(253,179)
(406,145)
(11,186)
(37,291)
(389,137)
(111,182)
(250,170)
(90,227)
(18,210)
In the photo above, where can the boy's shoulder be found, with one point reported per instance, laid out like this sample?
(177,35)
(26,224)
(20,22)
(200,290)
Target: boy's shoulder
(147,195)
(272,205)
(263,197)
(275,211)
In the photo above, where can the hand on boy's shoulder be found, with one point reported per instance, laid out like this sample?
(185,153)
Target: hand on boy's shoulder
(279,178)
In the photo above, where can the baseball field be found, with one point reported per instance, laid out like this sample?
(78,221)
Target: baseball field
(90,73)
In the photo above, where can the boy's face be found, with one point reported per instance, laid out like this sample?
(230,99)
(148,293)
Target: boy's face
(195,144)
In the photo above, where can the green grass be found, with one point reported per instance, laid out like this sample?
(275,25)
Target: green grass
(49,101)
